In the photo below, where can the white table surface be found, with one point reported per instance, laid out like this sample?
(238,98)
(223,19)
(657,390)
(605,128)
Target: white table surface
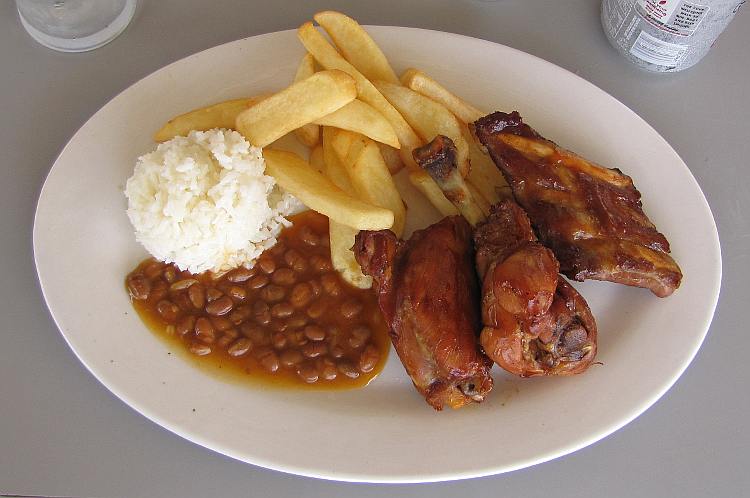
(64,434)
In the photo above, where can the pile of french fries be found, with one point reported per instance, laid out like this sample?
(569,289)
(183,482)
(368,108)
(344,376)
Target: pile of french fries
(361,123)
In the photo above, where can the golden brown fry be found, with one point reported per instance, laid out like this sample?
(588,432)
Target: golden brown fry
(342,257)
(391,157)
(484,206)
(336,144)
(329,58)
(372,181)
(356,45)
(423,84)
(428,118)
(362,118)
(425,184)
(297,105)
(308,134)
(484,175)
(221,115)
(317,159)
(296,176)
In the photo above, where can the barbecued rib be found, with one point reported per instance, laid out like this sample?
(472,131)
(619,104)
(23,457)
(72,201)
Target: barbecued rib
(428,294)
(590,216)
(535,323)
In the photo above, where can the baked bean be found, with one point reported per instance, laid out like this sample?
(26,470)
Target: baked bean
(277,250)
(308,372)
(297,338)
(241,274)
(279,340)
(182,300)
(240,347)
(221,323)
(278,325)
(309,237)
(231,333)
(200,349)
(219,307)
(330,283)
(297,321)
(185,325)
(139,286)
(368,359)
(283,276)
(359,336)
(325,242)
(320,264)
(159,290)
(255,334)
(258,282)
(314,349)
(266,264)
(213,294)
(169,274)
(197,296)
(272,293)
(295,260)
(282,310)
(301,295)
(290,357)
(204,331)
(315,333)
(316,309)
(351,308)
(227,337)
(237,293)
(269,360)
(328,369)
(240,314)
(317,289)
(182,284)
(153,269)
(347,369)
(168,310)
(336,351)
(261,313)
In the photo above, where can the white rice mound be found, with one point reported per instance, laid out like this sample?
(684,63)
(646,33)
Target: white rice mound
(203,202)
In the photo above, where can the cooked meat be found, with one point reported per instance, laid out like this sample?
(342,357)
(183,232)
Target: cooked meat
(590,216)
(438,158)
(535,323)
(428,294)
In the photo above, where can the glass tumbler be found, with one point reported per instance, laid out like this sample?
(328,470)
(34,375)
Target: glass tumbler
(75,25)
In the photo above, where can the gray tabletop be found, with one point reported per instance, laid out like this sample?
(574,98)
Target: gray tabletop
(63,433)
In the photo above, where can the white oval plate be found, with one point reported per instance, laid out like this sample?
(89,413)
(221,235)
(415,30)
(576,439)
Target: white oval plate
(84,246)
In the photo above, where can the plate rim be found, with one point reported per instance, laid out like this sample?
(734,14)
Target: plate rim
(563,450)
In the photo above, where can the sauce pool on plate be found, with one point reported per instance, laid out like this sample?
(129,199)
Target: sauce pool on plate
(289,321)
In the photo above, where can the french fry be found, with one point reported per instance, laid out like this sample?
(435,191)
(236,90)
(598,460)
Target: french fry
(391,157)
(423,84)
(425,184)
(297,105)
(341,237)
(484,175)
(372,181)
(484,206)
(317,160)
(308,134)
(428,118)
(221,115)
(296,176)
(356,45)
(362,118)
(329,58)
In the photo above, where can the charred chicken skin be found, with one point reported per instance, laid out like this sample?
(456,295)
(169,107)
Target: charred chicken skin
(428,294)
(590,216)
(535,323)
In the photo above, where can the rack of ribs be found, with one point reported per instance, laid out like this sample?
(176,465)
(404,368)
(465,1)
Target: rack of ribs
(590,216)
(428,294)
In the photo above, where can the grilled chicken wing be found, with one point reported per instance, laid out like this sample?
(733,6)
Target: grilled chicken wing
(535,323)
(590,216)
(429,297)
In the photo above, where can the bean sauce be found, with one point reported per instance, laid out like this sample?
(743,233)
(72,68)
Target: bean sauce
(290,321)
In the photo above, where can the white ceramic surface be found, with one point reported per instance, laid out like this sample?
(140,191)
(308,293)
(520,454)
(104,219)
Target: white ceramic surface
(84,246)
